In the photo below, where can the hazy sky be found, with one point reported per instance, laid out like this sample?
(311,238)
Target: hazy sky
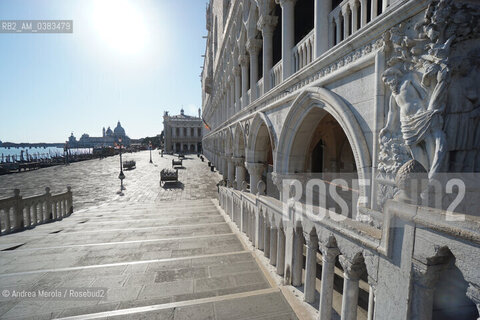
(127,60)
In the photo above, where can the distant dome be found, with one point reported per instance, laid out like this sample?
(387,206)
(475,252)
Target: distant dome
(109,132)
(119,131)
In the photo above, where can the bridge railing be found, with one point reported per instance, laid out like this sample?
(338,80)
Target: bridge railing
(18,213)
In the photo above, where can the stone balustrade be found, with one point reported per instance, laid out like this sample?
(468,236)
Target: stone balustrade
(276,74)
(303,52)
(18,213)
(363,256)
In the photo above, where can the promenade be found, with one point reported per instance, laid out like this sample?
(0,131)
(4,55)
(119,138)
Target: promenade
(153,253)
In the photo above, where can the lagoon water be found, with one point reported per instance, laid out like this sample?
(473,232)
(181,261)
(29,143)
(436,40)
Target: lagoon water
(40,152)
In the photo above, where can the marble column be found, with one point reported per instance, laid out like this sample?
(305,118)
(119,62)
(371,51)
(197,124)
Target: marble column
(311,267)
(338,23)
(267,25)
(273,244)
(239,170)
(354,16)
(280,252)
(260,231)
(243,60)
(352,272)
(231,169)
(322,9)
(346,22)
(237,72)
(266,237)
(329,256)
(297,258)
(232,95)
(255,170)
(253,47)
(288,36)
(363,13)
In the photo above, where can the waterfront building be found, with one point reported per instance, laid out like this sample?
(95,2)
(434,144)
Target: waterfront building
(380,90)
(108,139)
(182,133)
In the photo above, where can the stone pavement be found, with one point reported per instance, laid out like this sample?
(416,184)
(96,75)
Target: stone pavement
(96,181)
(154,253)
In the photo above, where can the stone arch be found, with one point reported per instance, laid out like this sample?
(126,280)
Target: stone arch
(261,128)
(228,141)
(239,141)
(290,157)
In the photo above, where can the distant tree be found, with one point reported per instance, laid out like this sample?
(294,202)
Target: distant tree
(155,141)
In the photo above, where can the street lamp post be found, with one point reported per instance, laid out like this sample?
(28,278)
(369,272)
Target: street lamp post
(150,147)
(121,176)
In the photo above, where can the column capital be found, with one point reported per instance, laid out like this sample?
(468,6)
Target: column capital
(255,169)
(329,254)
(283,2)
(311,241)
(238,161)
(426,275)
(267,23)
(243,60)
(254,46)
(352,269)
(236,71)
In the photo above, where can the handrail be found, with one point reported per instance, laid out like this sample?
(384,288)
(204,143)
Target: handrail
(18,213)
(303,51)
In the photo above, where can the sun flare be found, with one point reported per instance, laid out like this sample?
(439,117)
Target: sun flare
(121,26)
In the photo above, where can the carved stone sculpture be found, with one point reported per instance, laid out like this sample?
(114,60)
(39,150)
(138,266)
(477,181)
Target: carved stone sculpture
(434,107)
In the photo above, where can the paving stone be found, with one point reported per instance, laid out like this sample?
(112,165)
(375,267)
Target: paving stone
(146,248)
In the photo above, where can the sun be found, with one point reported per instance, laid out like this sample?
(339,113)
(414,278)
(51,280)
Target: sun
(120,25)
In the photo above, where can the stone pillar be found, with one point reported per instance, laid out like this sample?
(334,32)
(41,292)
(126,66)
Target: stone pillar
(267,25)
(280,252)
(232,95)
(273,244)
(338,23)
(346,22)
(239,170)
(371,303)
(266,238)
(329,256)
(297,258)
(236,72)
(425,278)
(311,268)
(255,170)
(231,169)
(351,276)
(373,14)
(354,16)
(363,13)
(260,232)
(473,293)
(288,36)
(243,61)
(253,47)
(322,9)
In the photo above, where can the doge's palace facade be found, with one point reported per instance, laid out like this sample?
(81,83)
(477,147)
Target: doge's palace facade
(373,106)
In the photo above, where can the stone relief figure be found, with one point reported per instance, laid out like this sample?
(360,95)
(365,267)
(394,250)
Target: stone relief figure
(434,107)
(420,118)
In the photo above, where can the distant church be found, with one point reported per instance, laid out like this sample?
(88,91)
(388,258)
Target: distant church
(107,139)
